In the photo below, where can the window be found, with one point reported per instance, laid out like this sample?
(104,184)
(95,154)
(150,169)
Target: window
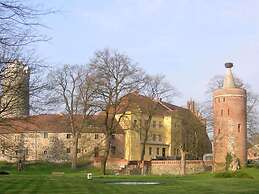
(160,124)
(45,152)
(224,99)
(16,152)
(218,99)
(96,136)
(68,136)
(154,137)
(154,124)
(113,149)
(157,151)
(160,138)
(150,150)
(113,137)
(45,135)
(3,152)
(239,128)
(228,112)
(219,131)
(68,150)
(96,152)
(222,112)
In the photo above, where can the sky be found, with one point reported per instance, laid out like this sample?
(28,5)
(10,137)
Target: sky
(186,40)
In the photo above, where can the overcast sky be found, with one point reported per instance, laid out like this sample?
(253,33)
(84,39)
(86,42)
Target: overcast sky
(187,40)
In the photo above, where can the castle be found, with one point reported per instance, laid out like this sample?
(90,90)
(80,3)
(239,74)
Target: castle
(47,137)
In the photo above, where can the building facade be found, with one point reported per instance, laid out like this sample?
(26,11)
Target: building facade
(46,137)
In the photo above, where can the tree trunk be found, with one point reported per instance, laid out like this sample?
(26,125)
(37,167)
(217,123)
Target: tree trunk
(74,151)
(183,163)
(106,154)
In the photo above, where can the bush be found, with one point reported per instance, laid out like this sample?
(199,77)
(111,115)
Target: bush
(237,174)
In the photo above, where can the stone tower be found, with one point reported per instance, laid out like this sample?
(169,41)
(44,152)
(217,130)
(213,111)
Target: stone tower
(16,90)
(230,122)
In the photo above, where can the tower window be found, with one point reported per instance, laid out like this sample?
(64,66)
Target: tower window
(228,112)
(68,150)
(222,112)
(239,128)
(68,136)
(219,131)
(96,136)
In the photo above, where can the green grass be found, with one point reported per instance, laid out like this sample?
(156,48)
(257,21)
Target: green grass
(38,179)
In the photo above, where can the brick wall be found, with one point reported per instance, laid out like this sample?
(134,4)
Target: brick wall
(172,167)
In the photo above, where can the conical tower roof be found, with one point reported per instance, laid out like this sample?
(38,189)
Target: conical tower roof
(229,81)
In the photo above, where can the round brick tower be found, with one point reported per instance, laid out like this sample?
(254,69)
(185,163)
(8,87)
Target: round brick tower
(230,122)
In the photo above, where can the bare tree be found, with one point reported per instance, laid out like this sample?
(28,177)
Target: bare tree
(116,76)
(252,103)
(71,88)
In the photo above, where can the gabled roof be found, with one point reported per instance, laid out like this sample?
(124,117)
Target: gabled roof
(52,123)
(144,103)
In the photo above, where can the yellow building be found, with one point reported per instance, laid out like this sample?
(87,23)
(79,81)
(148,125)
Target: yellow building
(166,128)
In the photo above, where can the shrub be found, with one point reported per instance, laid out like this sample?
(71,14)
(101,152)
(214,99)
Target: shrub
(238,174)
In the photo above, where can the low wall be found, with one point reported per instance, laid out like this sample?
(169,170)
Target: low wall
(172,167)
(112,164)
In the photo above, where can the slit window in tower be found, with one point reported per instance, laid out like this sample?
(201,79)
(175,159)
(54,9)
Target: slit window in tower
(228,112)
(239,127)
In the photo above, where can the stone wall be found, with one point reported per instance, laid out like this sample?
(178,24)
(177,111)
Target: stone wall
(57,147)
(172,167)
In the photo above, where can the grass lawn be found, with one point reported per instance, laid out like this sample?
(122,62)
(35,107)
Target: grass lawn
(38,179)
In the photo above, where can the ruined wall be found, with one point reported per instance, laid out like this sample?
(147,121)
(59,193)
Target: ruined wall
(172,167)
